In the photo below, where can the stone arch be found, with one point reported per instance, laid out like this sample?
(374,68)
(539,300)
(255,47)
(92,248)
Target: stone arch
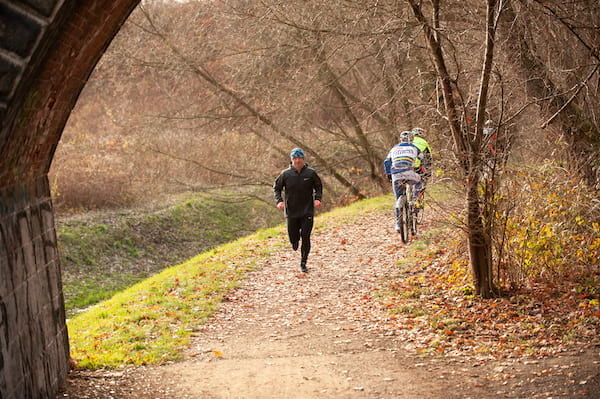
(48,48)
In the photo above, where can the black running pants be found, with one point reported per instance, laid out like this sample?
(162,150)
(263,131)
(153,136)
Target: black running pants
(301,228)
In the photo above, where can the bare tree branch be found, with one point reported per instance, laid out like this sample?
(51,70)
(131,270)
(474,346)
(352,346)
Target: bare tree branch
(203,73)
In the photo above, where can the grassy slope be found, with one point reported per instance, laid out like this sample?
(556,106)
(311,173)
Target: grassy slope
(152,321)
(106,253)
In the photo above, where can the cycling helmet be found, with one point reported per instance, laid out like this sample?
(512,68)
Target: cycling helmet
(297,153)
(406,136)
(417,131)
(489,127)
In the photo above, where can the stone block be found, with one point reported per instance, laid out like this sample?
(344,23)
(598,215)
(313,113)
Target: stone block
(39,375)
(34,293)
(55,284)
(14,373)
(10,315)
(6,282)
(31,333)
(45,293)
(63,355)
(49,230)
(9,73)
(3,355)
(21,31)
(42,190)
(27,245)
(48,324)
(50,250)
(3,326)
(60,311)
(21,332)
(36,234)
(53,366)
(44,7)
(18,267)
(52,284)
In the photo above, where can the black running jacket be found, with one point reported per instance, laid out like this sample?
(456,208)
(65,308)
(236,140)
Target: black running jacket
(301,189)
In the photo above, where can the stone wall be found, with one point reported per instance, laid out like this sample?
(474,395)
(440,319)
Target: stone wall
(48,48)
(34,348)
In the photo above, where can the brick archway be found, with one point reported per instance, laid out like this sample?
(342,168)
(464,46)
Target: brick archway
(48,49)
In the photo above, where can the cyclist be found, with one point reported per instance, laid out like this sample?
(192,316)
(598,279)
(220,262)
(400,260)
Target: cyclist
(423,168)
(490,134)
(399,166)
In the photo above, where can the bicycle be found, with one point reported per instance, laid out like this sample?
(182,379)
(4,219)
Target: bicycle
(420,206)
(407,213)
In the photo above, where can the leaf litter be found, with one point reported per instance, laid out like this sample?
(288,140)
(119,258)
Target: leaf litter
(367,292)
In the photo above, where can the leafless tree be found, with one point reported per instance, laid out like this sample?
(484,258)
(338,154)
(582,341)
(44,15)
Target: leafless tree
(467,139)
(553,47)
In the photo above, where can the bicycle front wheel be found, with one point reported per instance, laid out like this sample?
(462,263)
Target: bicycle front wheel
(419,208)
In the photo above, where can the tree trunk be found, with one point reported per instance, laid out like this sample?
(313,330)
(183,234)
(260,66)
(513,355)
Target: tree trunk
(467,150)
(479,243)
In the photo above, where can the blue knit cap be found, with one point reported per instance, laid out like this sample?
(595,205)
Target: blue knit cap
(297,153)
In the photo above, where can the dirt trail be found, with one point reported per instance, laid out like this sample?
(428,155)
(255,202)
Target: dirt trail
(284,334)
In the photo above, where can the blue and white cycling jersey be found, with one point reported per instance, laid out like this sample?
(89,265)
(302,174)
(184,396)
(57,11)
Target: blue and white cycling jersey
(401,158)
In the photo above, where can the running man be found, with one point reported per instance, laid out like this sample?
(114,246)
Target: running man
(303,192)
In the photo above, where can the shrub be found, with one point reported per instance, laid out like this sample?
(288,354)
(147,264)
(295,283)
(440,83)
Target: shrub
(553,229)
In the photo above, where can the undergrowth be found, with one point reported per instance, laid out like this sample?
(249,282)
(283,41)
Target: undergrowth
(431,303)
(549,228)
(549,276)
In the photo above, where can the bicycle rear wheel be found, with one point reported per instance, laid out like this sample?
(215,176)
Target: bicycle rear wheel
(404,219)
(413,219)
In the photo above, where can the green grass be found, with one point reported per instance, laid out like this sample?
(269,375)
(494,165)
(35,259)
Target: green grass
(95,289)
(152,321)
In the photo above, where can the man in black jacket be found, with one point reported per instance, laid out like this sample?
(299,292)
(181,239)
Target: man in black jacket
(303,192)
